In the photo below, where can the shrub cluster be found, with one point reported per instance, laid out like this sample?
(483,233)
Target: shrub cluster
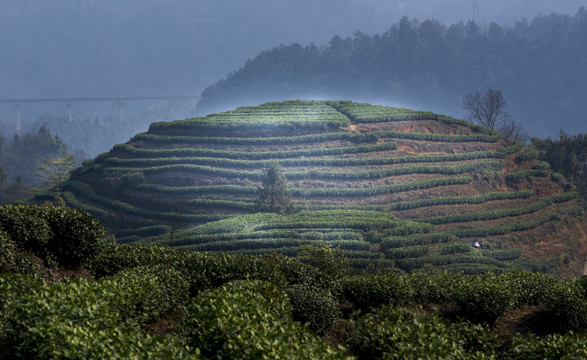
(52,233)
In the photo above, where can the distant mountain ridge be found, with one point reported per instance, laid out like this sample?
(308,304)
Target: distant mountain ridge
(536,64)
(392,186)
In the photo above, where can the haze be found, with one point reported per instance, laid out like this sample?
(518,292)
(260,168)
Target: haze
(113,48)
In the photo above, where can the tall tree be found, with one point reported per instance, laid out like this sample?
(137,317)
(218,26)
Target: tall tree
(273,193)
(53,172)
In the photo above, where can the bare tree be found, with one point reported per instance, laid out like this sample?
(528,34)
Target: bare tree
(512,130)
(487,110)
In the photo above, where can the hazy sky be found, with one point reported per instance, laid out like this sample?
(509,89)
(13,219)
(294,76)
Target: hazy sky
(84,48)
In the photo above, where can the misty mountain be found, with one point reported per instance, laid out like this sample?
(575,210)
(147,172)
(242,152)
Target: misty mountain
(537,64)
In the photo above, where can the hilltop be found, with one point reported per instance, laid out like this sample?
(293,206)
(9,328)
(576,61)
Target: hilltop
(390,186)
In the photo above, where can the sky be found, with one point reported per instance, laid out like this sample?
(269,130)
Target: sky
(72,48)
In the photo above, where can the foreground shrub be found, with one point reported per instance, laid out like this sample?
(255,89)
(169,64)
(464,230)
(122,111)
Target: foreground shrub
(152,291)
(486,297)
(84,319)
(26,228)
(436,287)
(566,304)
(249,320)
(368,291)
(313,306)
(76,234)
(53,233)
(394,333)
(552,347)
(7,250)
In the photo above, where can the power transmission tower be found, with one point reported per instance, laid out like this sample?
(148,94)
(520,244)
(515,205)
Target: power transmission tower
(476,16)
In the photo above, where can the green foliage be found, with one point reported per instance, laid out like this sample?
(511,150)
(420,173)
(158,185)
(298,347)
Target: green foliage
(7,250)
(486,297)
(527,154)
(52,172)
(25,152)
(249,320)
(290,115)
(330,262)
(455,200)
(26,228)
(154,290)
(76,234)
(272,195)
(524,175)
(25,264)
(368,291)
(313,306)
(566,304)
(567,155)
(87,319)
(555,346)
(68,235)
(494,214)
(418,335)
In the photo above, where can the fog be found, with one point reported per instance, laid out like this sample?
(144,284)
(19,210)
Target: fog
(134,48)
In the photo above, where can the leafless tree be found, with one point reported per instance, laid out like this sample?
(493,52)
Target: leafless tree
(487,110)
(512,130)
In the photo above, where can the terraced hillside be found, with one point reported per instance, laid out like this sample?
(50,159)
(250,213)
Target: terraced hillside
(391,186)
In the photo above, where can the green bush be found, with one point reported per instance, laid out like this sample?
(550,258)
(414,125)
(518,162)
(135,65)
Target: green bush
(486,297)
(551,347)
(26,228)
(393,333)
(79,319)
(7,250)
(249,320)
(68,235)
(25,264)
(436,287)
(368,291)
(76,234)
(153,291)
(60,320)
(527,154)
(313,306)
(566,305)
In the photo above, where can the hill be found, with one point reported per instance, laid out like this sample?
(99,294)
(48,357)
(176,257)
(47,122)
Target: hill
(390,186)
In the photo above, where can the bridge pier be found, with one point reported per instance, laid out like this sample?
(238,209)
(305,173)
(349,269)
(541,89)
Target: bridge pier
(69,114)
(18,123)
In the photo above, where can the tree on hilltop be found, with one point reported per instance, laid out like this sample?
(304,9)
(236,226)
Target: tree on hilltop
(489,111)
(486,110)
(272,195)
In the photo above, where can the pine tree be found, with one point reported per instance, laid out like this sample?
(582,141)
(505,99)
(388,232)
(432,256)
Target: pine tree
(273,193)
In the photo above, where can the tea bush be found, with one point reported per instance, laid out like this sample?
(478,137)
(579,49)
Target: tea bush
(394,333)
(367,291)
(249,320)
(485,297)
(313,306)
(26,228)
(7,250)
(556,346)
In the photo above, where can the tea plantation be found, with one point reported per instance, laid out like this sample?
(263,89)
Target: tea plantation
(67,292)
(392,187)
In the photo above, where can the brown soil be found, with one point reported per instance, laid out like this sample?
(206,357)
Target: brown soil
(165,324)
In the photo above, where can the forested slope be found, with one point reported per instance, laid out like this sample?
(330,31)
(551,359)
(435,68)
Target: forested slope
(536,63)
